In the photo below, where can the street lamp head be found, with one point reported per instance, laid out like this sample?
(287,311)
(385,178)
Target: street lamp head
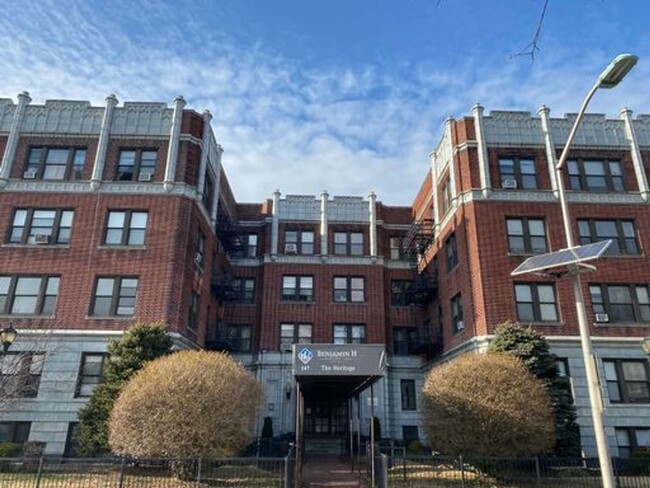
(7,337)
(617,69)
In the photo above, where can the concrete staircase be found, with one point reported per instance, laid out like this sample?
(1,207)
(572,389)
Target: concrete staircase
(323,446)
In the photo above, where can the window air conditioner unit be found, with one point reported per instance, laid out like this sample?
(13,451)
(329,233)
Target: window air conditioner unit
(460,325)
(291,248)
(30,174)
(198,258)
(40,238)
(510,184)
(145,177)
(286,347)
(602,317)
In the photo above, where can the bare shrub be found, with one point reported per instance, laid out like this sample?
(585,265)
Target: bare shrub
(187,404)
(487,405)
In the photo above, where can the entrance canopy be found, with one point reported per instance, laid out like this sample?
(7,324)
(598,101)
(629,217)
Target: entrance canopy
(337,370)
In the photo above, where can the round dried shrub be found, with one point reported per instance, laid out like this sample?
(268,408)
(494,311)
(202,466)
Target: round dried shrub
(187,404)
(487,405)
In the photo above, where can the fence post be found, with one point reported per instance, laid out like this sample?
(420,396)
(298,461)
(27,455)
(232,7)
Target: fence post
(538,474)
(404,465)
(462,471)
(198,471)
(120,482)
(39,473)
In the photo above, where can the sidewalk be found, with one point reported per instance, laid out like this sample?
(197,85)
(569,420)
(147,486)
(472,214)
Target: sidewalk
(328,470)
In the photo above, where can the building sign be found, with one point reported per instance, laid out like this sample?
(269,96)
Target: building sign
(339,360)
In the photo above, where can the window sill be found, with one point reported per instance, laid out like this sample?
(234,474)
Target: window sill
(122,247)
(542,324)
(109,317)
(349,303)
(18,316)
(303,302)
(621,324)
(31,246)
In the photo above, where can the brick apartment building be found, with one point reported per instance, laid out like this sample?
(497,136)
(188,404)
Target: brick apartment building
(111,215)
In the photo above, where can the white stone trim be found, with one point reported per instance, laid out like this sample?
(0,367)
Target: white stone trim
(637,160)
(102,143)
(14,135)
(172,151)
(483,161)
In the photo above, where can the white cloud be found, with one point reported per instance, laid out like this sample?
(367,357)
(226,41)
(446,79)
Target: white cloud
(347,129)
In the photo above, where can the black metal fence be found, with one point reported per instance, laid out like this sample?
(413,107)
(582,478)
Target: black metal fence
(144,473)
(445,471)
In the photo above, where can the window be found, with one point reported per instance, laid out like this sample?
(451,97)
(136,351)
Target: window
(457,314)
(20,374)
(452,252)
(114,296)
(199,249)
(349,334)
(126,228)
(396,251)
(621,303)
(16,432)
(405,340)
(627,380)
(250,245)
(28,295)
(40,226)
(519,170)
(410,433)
(91,373)
(244,289)
(55,163)
(400,292)
(208,193)
(562,366)
(193,315)
(595,175)
(536,302)
(239,338)
(349,289)
(526,236)
(136,165)
(407,388)
(446,196)
(298,288)
(621,232)
(348,243)
(71,440)
(299,242)
(632,439)
(291,333)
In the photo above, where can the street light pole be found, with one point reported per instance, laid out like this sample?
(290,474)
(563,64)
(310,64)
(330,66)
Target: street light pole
(609,78)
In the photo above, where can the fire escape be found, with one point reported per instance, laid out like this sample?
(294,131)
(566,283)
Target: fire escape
(424,289)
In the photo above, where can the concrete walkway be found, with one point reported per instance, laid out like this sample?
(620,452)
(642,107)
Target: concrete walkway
(328,470)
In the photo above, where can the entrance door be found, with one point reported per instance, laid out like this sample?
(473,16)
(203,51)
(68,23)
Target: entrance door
(325,417)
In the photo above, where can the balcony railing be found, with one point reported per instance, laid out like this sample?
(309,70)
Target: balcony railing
(424,289)
(418,239)
(223,287)
(229,234)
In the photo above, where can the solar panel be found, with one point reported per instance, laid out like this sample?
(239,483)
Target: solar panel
(563,257)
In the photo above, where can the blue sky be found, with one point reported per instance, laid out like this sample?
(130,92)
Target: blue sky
(348,96)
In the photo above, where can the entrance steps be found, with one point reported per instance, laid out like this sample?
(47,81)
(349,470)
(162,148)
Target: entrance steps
(323,446)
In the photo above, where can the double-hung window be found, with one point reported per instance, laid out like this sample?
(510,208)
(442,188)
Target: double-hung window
(126,228)
(526,235)
(299,242)
(536,302)
(250,245)
(91,373)
(408,394)
(14,432)
(348,243)
(445,193)
(620,303)
(41,226)
(632,439)
(518,173)
(349,289)
(396,251)
(452,252)
(621,232)
(294,333)
(400,292)
(136,165)
(28,295)
(457,313)
(20,374)
(298,288)
(114,296)
(244,289)
(405,340)
(627,380)
(193,312)
(49,163)
(595,175)
(349,334)
(239,338)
